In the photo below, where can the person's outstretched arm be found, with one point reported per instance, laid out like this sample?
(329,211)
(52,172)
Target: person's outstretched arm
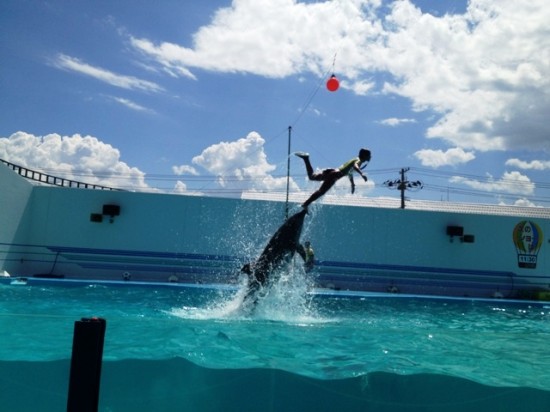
(358,170)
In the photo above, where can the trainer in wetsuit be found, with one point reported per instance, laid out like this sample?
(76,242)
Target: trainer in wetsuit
(330,176)
(309,261)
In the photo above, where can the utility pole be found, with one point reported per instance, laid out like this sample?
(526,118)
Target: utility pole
(288,171)
(402,187)
(403,184)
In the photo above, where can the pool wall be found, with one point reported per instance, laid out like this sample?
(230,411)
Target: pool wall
(99,234)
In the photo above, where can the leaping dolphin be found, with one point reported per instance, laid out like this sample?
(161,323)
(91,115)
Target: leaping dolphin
(281,247)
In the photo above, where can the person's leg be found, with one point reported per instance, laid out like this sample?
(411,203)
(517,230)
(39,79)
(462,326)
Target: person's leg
(314,196)
(329,181)
(309,168)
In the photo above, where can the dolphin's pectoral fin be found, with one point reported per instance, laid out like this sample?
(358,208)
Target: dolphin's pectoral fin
(247,268)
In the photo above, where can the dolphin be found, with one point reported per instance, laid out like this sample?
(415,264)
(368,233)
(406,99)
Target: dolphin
(281,248)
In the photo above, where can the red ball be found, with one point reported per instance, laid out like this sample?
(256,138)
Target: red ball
(333,84)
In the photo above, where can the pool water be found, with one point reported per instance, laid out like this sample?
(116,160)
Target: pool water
(195,348)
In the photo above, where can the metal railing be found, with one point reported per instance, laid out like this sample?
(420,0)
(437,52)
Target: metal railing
(52,180)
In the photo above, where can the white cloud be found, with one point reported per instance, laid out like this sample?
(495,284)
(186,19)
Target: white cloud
(273,38)
(360,87)
(80,158)
(511,182)
(184,170)
(394,121)
(166,54)
(523,203)
(241,165)
(65,62)
(532,165)
(438,158)
(483,72)
(132,105)
(180,187)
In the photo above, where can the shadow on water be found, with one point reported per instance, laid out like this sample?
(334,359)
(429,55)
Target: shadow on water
(178,385)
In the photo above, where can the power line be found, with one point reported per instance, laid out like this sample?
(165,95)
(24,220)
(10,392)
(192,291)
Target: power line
(514,188)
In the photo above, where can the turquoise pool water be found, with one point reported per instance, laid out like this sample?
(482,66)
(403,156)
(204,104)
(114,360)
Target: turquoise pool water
(194,348)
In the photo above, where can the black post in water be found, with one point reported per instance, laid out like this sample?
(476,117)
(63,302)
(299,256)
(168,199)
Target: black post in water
(88,338)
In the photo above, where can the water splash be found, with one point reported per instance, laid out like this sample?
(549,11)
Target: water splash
(286,300)
(225,307)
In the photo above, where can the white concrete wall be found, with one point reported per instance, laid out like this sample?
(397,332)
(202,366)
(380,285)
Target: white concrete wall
(15,193)
(50,218)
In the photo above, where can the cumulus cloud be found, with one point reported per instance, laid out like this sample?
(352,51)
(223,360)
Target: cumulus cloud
(522,203)
(438,158)
(80,158)
(456,65)
(532,165)
(483,73)
(180,187)
(238,165)
(184,170)
(241,165)
(510,182)
(73,64)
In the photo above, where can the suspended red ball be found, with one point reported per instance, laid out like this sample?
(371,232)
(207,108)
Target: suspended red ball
(333,84)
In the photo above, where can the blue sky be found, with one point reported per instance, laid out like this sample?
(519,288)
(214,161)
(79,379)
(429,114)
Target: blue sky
(193,96)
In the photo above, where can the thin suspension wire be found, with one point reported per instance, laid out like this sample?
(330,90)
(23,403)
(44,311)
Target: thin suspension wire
(315,91)
(307,102)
